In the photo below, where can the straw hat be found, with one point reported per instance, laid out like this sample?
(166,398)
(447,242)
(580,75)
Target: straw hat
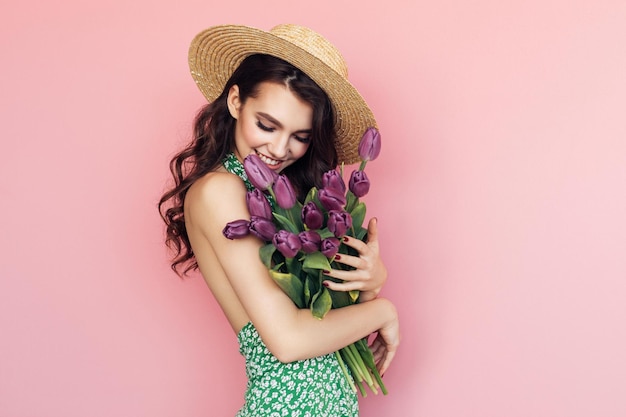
(216,52)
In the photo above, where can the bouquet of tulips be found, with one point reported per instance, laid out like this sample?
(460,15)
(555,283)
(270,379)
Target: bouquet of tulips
(302,239)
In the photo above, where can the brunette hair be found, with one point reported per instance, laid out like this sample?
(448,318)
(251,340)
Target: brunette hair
(214,138)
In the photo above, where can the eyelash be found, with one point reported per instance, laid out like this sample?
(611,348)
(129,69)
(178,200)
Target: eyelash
(261,126)
(306,140)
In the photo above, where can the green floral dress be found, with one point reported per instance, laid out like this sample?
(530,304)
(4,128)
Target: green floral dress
(313,387)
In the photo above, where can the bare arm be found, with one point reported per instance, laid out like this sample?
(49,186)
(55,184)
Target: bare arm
(288,332)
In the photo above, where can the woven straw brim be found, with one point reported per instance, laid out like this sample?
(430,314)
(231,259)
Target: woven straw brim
(215,53)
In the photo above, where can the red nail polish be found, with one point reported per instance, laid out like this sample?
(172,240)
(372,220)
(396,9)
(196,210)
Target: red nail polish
(325,284)
(345,238)
(325,272)
(337,257)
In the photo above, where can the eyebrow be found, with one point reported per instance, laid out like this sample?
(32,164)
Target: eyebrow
(279,124)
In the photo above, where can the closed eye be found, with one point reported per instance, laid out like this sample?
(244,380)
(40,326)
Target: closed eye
(304,139)
(263,127)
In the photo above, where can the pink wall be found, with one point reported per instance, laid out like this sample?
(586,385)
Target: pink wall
(500,194)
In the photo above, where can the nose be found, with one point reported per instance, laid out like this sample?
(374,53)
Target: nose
(279,147)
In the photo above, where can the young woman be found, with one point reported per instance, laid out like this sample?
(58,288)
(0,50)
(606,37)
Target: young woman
(284,96)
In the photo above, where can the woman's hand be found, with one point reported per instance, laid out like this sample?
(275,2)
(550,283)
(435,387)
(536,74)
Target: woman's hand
(386,344)
(369,274)
(384,348)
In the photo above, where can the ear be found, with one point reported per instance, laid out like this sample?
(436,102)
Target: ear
(233,101)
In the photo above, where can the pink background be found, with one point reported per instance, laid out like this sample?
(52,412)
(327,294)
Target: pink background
(500,194)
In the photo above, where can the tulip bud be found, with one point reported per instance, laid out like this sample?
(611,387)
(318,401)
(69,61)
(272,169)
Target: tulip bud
(312,216)
(331,198)
(259,174)
(236,229)
(369,146)
(262,228)
(310,241)
(339,222)
(332,179)
(284,193)
(359,183)
(287,243)
(258,204)
(329,247)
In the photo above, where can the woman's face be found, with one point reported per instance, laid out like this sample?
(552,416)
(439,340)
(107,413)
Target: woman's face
(276,125)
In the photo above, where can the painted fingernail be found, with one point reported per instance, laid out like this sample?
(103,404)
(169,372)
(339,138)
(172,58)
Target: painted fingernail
(325,284)
(337,257)
(345,238)
(325,272)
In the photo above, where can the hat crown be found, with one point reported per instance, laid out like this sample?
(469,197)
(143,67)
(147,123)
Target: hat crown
(313,43)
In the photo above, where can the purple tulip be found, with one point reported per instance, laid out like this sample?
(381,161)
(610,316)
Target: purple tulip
(287,243)
(236,229)
(283,190)
(369,146)
(258,204)
(329,247)
(339,222)
(259,174)
(359,183)
(262,228)
(310,241)
(312,216)
(331,198)
(332,179)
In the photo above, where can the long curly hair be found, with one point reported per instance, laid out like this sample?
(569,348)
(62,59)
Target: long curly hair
(213,138)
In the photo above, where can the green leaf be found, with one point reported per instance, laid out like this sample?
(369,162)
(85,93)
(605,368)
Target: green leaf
(307,290)
(361,234)
(295,215)
(311,195)
(294,266)
(266,253)
(311,287)
(358,215)
(351,201)
(316,260)
(321,303)
(291,285)
(325,233)
(285,223)
(340,299)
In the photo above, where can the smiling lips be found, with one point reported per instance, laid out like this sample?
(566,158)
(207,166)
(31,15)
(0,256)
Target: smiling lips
(273,163)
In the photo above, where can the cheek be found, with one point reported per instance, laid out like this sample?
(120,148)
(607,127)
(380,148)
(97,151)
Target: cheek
(300,149)
(250,133)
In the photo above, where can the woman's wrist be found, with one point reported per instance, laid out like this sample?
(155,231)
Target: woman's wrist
(388,313)
(365,296)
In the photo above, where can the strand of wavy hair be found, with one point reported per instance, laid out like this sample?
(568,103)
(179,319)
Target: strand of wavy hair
(202,155)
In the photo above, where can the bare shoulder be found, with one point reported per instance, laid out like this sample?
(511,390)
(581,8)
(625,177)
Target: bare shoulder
(214,187)
(217,197)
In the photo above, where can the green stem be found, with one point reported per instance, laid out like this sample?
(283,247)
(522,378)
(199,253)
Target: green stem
(366,374)
(355,372)
(379,381)
(342,365)
(366,355)
(353,364)
(361,389)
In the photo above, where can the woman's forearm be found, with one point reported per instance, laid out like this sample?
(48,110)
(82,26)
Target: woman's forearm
(308,337)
